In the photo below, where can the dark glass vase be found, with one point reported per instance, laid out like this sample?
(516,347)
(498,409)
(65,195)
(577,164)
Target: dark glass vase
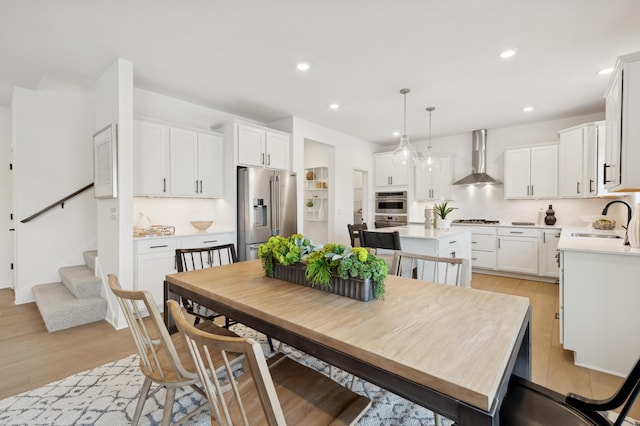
(550,218)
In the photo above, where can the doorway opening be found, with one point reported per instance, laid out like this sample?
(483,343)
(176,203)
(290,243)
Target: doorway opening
(360,196)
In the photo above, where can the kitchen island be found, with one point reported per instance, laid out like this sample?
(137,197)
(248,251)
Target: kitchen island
(599,294)
(455,242)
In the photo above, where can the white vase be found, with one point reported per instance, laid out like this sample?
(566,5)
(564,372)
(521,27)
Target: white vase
(444,224)
(633,230)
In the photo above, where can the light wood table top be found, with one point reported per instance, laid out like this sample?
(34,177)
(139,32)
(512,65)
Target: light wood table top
(457,341)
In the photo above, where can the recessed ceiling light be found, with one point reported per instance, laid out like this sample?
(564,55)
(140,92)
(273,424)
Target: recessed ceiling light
(527,109)
(303,66)
(605,71)
(507,53)
(334,106)
(396,133)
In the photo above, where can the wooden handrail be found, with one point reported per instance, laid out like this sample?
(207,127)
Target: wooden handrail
(61,202)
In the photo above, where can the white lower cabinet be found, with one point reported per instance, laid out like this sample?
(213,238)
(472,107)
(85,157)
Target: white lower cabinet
(518,250)
(483,247)
(156,257)
(549,253)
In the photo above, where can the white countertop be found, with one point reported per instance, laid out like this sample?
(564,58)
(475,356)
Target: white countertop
(186,234)
(568,242)
(419,231)
(505,225)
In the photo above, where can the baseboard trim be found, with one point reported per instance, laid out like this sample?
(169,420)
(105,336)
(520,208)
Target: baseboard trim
(553,280)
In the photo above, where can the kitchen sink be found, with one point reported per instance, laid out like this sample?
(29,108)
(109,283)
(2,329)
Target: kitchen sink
(586,234)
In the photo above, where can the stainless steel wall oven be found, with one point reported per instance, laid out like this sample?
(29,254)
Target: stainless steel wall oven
(392,202)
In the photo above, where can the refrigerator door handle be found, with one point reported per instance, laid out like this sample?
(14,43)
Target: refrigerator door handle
(275,205)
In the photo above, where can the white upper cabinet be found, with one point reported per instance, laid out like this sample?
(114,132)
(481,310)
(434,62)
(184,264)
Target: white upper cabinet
(151,158)
(177,162)
(531,172)
(387,174)
(262,147)
(623,127)
(578,175)
(210,162)
(434,185)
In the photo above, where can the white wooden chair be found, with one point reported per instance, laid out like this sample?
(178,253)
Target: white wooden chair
(164,359)
(277,391)
(441,270)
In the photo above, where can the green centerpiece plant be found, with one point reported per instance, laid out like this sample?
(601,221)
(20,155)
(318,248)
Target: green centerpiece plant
(323,262)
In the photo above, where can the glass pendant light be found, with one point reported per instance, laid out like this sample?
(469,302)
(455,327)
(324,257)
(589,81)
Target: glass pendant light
(429,162)
(405,154)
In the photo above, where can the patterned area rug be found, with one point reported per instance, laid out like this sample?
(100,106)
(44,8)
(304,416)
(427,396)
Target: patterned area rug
(107,395)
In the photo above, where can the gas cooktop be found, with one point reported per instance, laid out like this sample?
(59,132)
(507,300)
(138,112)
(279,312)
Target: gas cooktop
(477,221)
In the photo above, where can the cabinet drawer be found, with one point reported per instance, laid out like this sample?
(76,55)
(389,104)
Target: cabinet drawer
(483,259)
(207,240)
(485,230)
(519,232)
(155,245)
(483,242)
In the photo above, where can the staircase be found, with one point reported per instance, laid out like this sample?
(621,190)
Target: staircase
(74,301)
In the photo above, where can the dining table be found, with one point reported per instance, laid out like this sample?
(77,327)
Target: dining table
(450,349)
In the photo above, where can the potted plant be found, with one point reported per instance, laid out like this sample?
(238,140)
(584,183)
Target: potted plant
(332,267)
(442,211)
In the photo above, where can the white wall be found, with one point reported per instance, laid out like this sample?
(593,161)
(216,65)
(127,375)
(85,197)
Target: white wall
(114,104)
(6,236)
(350,153)
(488,202)
(53,157)
(179,212)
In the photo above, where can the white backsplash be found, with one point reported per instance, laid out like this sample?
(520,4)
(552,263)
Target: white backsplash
(487,202)
(179,212)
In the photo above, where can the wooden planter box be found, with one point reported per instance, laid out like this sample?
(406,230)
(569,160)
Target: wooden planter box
(355,288)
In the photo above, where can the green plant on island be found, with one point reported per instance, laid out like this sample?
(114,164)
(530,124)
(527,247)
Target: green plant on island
(442,209)
(323,262)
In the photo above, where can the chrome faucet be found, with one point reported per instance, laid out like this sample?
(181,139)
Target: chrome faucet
(626,233)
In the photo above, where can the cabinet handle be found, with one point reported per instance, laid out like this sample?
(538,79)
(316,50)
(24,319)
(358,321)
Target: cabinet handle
(196,186)
(604,173)
(474,242)
(209,241)
(590,185)
(544,238)
(201,187)
(453,254)
(577,187)
(516,232)
(474,258)
(162,246)
(268,159)
(453,242)
(262,159)
(498,242)
(164,184)
(532,190)
(527,190)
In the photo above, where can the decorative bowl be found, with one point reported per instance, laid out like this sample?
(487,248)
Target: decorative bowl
(604,224)
(201,225)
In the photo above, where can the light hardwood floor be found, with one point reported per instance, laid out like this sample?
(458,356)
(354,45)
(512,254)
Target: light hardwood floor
(30,357)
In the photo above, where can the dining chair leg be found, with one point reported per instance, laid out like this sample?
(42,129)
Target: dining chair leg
(168,406)
(144,392)
(270,343)
(438,419)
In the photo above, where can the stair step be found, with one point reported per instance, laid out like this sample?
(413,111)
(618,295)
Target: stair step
(80,281)
(90,259)
(60,309)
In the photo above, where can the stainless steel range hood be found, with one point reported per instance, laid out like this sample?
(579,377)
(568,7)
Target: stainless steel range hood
(478,162)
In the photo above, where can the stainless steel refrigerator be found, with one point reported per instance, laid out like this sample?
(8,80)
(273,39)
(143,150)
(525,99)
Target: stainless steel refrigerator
(266,206)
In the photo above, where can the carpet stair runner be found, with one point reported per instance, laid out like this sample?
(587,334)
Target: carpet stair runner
(74,301)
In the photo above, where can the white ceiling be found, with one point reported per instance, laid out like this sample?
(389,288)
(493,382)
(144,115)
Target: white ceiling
(240,56)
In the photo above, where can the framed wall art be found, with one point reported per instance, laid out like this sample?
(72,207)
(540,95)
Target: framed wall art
(105,162)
